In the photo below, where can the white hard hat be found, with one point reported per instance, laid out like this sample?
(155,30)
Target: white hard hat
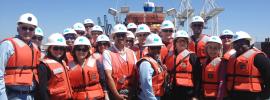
(241,35)
(97,28)
(142,28)
(131,25)
(39,31)
(56,39)
(226,32)
(28,18)
(167,24)
(119,28)
(130,35)
(79,26)
(103,37)
(88,21)
(197,19)
(181,33)
(215,39)
(69,31)
(153,40)
(82,40)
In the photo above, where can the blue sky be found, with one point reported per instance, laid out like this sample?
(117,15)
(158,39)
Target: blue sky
(251,16)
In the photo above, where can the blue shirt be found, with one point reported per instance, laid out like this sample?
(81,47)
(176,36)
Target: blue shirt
(146,72)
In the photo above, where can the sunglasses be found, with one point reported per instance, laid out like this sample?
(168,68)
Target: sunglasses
(82,49)
(130,41)
(120,35)
(155,48)
(96,33)
(103,43)
(88,26)
(132,29)
(24,28)
(167,31)
(39,38)
(56,48)
(80,32)
(226,36)
(144,35)
(197,25)
(67,37)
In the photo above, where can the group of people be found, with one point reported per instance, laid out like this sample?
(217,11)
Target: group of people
(83,63)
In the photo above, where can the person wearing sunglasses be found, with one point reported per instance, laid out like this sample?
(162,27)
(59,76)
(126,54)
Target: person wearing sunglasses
(151,71)
(167,28)
(53,71)
(213,71)
(80,29)
(19,59)
(132,27)
(85,75)
(248,70)
(130,40)
(198,40)
(70,36)
(141,33)
(184,69)
(38,37)
(95,32)
(119,65)
(226,37)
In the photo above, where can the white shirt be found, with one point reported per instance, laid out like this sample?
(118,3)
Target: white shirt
(107,57)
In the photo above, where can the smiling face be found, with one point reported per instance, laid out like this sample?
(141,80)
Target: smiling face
(197,27)
(181,44)
(166,35)
(57,51)
(81,52)
(213,49)
(26,31)
(120,39)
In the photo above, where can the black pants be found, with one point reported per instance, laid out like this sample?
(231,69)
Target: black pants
(240,95)
(182,93)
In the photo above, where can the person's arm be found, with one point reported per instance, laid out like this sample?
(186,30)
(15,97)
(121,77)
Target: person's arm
(43,76)
(145,73)
(108,73)
(263,65)
(7,50)
(222,80)
(102,78)
(196,74)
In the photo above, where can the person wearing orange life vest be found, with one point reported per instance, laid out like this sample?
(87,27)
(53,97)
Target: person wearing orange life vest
(214,71)
(248,70)
(80,29)
(119,65)
(152,72)
(198,40)
(130,40)
(141,33)
(70,36)
(19,60)
(53,71)
(132,27)
(226,37)
(184,68)
(85,74)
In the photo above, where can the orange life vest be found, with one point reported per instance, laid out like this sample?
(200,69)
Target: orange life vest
(159,78)
(21,67)
(184,70)
(122,71)
(59,84)
(199,48)
(243,74)
(69,57)
(228,54)
(211,78)
(85,80)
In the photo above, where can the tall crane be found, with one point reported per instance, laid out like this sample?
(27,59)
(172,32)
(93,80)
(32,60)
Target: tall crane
(210,11)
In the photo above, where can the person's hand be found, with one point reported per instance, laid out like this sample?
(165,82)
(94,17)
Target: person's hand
(121,97)
(106,96)
(194,98)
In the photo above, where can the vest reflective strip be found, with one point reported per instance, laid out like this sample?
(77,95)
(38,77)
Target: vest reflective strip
(249,53)
(205,39)
(215,61)
(19,42)
(185,53)
(231,52)
(50,61)
(72,65)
